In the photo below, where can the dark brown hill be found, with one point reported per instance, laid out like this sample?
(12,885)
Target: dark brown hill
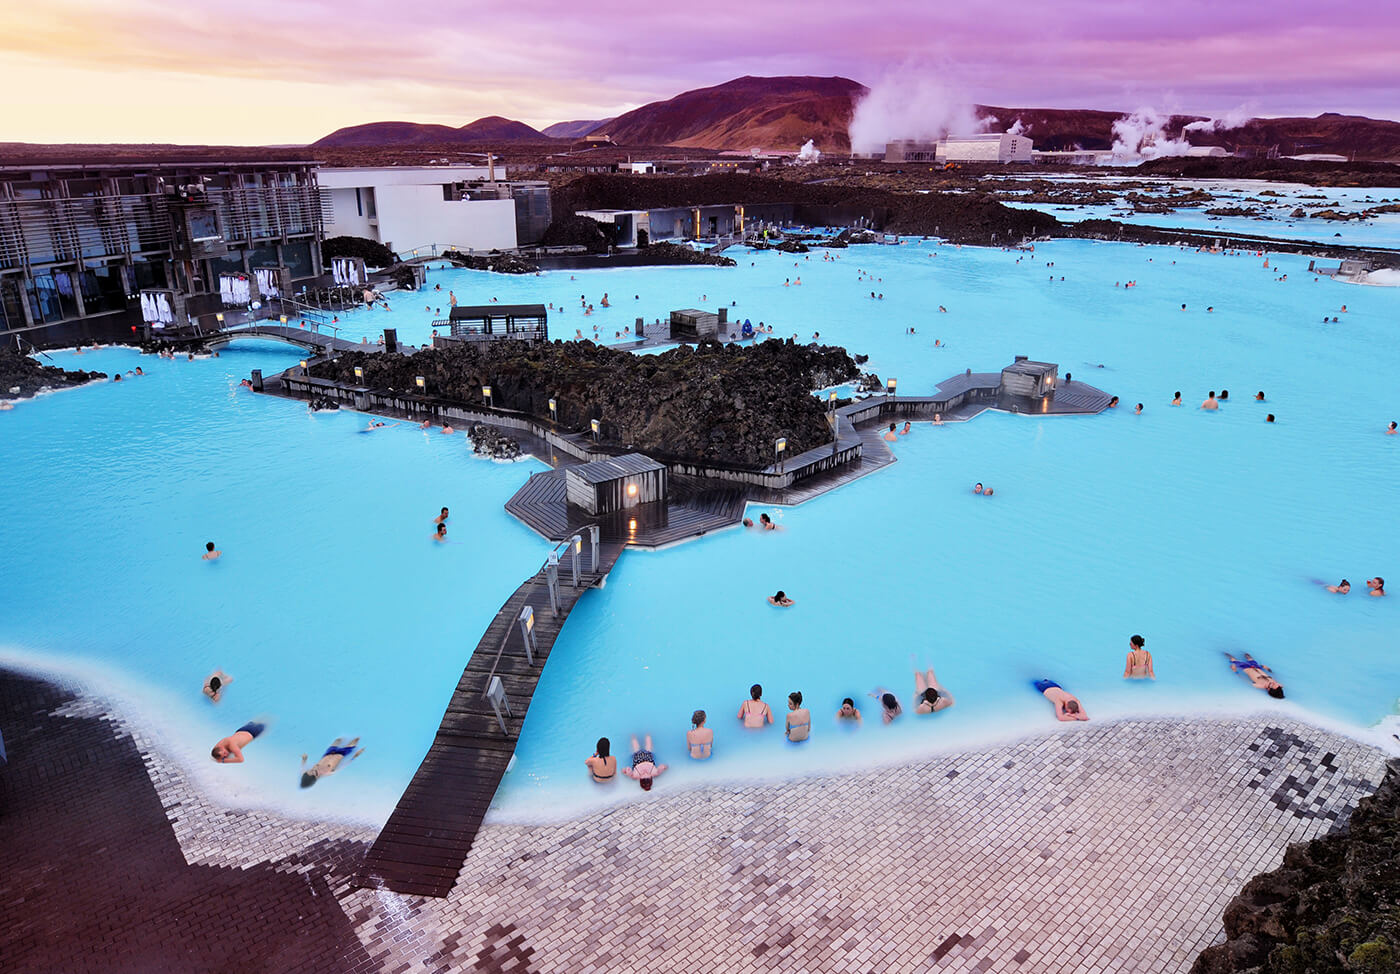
(769,113)
(493,128)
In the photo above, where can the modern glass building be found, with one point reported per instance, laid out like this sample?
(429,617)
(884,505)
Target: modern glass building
(79,243)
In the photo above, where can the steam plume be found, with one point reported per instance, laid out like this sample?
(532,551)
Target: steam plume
(910,103)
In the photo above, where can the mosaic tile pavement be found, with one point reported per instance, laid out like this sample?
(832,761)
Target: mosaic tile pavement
(1096,848)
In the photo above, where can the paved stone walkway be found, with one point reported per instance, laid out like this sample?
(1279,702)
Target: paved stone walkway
(1097,848)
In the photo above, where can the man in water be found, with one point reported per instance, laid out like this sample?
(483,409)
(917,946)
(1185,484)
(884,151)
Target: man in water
(1257,674)
(210,552)
(441,518)
(214,686)
(330,761)
(1067,707)
(1211,402)
(1376,585)
(441,533)
(230,749)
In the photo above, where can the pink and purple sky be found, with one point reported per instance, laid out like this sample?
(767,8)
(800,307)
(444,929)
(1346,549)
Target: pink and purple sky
(290,71)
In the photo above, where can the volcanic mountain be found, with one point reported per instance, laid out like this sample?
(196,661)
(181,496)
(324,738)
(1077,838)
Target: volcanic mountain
(574,130)
(770,113)
(493,128)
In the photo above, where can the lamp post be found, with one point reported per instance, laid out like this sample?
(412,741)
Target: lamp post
(303,366)
(597,427)
(553,410)
(420,382)
(831,401)
(779,448)
(359,374)
(486,394)
(890,386)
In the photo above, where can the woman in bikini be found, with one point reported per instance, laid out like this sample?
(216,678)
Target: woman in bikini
(1139,663)
(798,725)
(699,738)
(644,767)
(602,765)
(754,712)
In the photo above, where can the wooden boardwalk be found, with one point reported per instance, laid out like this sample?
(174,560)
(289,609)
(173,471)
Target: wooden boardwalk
(423,845)
(301,337)
(695,507)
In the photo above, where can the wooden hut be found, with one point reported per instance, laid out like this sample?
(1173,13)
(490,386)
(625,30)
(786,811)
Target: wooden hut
(615,484)
(1034,380)
(694,323)
(495,322)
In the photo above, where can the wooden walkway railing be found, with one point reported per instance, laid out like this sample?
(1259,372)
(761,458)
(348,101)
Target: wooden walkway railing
(422,847)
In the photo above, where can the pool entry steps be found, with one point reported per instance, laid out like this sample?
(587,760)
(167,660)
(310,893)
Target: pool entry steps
(422,847)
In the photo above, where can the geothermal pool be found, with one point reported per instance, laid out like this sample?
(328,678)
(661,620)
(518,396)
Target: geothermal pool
(336,615)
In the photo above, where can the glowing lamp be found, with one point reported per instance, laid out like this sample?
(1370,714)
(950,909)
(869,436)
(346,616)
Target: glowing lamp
(780,446)
(420,382)
(596,426)
(219,317)
(890,384)
(283,319)
(631,490)
(553,409)
(359,373)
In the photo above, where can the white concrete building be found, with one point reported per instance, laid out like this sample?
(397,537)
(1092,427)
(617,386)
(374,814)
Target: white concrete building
(406,207)
(986,147)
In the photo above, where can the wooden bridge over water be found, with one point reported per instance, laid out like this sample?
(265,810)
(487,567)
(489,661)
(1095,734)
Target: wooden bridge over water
(422,847)
(312,341)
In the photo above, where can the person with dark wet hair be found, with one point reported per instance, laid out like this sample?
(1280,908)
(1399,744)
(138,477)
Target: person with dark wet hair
(699,738)
(330,761)
(1139,663)
(1269,418)
(848,711)
(602,765)
(753,711)
(1258,674)
(214,686)
(644,768)
(1176,398)
(889,704)
(210,552)
(1341,588)
(1224,394)
(1376,585)
(798,725)
(1067,706)
(780,599)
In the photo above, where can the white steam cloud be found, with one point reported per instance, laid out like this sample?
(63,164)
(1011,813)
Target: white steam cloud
(1233,119)
(1016,128)
(910,103)
(1143,135)
(809,154)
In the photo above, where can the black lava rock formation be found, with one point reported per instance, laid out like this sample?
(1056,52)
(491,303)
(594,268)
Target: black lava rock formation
(21,376)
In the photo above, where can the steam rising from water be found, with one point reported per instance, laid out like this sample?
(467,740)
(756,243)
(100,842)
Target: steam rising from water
(1143,135)
(911,103)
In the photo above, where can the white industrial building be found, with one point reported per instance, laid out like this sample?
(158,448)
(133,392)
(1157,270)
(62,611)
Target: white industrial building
(408,207)
(987,147)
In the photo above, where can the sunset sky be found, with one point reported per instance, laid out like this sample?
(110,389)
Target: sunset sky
(289,71)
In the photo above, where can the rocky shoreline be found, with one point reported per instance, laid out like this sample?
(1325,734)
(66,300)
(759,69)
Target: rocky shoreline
(22,377)
(720,403)
(1334,904)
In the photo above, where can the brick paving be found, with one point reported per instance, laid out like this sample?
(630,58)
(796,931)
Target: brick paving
(1095,848)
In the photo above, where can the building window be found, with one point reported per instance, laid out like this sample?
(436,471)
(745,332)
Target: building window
(102,289)
(147,274)
(51,297)
(359,203)
(297,258)
(369,204)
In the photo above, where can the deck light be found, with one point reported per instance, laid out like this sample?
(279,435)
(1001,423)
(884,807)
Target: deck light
(486,394)
(219,317)
(420,382)
(632,526)
(597,426)
(283,319)
(359,373)
(890,384)
(781,445)
(553,409)
(631,490)
(578,544)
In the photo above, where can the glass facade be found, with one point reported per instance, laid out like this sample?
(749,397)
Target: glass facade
(297,257)
(103,289)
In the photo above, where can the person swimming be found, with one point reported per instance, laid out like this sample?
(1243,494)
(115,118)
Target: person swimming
(1376,585)
(907,428)
(930,696)
(1257,674)
(330,761)
(1137,410)
(602,765)
(214,685)
(1113,403)
(442,517)
(977,488)
(748,522)
(1341,588)
(889,704)
(1176,399)
(780,599)
(753,711)
(1269,418)
(848,711)
(441,533)
(1259,396)
(1392,428)
(700,739)
(210,552)
(1211,402)
(766,523)
(230,749)
(890,434)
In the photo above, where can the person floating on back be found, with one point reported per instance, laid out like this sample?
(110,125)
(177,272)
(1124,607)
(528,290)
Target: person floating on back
(1139,662)
(644,767)
(1067,707)
(210,552)
(1258,674)
(330,761)
(1341,588)
(230,749)
(214,686)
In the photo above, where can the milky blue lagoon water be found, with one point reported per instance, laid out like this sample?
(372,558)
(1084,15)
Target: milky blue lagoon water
(1204,532)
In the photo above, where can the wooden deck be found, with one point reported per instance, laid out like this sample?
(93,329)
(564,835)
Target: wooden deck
(695,507)
(422,847)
